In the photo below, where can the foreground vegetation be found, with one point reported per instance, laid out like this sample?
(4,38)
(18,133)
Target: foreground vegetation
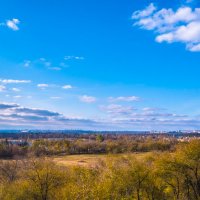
(165,175)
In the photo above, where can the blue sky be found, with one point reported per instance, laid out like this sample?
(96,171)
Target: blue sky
(100,65)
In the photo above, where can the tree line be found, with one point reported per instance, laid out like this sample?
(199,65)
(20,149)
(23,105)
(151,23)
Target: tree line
(92,145)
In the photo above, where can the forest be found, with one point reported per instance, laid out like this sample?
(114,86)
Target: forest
(168,174)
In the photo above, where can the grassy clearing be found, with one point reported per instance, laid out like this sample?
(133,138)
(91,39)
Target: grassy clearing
(91,160)
(88,160)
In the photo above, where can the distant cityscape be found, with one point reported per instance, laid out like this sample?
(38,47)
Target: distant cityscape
(32,131)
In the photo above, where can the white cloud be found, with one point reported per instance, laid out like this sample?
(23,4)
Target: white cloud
(194,47)
(17,96)
(66,87)
(16,89)
(44,62)
(144,13)
(152,109)
(182,25)
(27,63)
(118,112)
(42,86)
(87,99)
(124,98)
(74,58)
(13,24)
(56,98)
(12,81)
(189,34)
(62,64)
(116,109)
(55,68)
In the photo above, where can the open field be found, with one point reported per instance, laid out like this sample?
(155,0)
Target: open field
(88,160)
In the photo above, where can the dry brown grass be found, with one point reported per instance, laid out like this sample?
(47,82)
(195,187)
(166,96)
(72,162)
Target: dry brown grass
(91,160)
(87,160)
(78,160)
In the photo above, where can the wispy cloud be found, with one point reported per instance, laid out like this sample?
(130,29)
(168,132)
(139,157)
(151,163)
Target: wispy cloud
(181,25)
(27,63)
(66,87)
(14,115)
(46,63)
(16,89)
(56,98)
(116,110)
(35,111)
(17,96)
(144,13)
(13,24)
(42,85)
(62,64)
(55,68)
(13,81)
(124,98)
(153,109)
(87,99)
(74,58)
(46,85)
